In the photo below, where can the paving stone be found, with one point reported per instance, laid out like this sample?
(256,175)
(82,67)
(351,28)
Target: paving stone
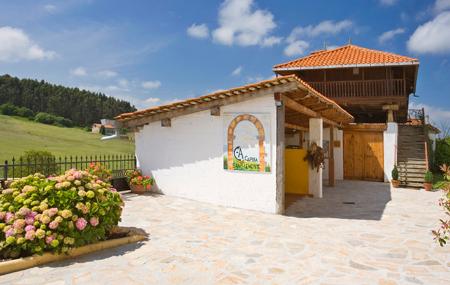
(383,239)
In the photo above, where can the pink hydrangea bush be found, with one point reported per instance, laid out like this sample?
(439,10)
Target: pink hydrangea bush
(39,214)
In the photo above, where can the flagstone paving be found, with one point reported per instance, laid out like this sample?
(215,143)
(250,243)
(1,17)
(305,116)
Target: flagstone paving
(359,233)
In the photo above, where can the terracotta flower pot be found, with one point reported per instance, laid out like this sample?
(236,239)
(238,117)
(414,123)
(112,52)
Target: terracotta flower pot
(395,183)
(138,189)
(427,186)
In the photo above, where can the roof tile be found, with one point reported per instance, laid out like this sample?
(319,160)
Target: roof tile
(344,56)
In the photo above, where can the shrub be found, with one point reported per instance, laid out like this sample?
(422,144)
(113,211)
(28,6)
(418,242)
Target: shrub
(39,214)
(395,173)
(45,118)
(25,112)
(442,153)
(34,161)
(8,109)
(442,235)
(428,177)
(63,122)
(98,169)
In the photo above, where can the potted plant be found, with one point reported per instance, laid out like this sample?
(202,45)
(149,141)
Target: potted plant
(428,184)
(395,182)
(139,183)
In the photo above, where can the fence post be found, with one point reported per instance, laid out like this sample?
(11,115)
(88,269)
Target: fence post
(6,170)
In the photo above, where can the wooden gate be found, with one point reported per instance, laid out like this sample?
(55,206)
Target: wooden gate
(363,155)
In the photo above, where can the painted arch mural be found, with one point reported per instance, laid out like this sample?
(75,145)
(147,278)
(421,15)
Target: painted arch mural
(247,142)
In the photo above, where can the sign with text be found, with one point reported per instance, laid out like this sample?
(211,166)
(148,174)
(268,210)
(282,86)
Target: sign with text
(247,142)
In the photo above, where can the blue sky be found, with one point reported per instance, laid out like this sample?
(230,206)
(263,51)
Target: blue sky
(153,52)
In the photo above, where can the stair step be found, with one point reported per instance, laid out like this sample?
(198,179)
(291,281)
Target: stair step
(412,185)
(411,180)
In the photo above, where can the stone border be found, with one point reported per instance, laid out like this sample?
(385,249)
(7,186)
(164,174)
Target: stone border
(36,260)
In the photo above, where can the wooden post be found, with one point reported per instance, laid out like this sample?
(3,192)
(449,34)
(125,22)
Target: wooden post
(331,178)
(280,181)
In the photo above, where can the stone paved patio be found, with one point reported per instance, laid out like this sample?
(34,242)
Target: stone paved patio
(377,236)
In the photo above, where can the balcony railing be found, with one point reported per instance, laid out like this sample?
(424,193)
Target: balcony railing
(362,88)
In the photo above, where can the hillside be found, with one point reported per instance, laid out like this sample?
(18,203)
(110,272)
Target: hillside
(18,135)
(82,107)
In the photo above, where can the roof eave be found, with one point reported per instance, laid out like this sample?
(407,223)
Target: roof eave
(412,63)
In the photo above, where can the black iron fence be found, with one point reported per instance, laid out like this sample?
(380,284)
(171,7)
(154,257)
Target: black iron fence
(416,115)
(17,168)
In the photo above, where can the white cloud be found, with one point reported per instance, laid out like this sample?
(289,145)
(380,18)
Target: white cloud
(50,8)
(432,37)
(15,45)
(237,71)
(270,41)
(441,5)
(198,31)
(388,35)
(151,84)
(327,27)
(388,2)
(79,71)
(437,115)
(152,101)
(330,47)
(296,48)
(240,23)
(107,73)
(123,83)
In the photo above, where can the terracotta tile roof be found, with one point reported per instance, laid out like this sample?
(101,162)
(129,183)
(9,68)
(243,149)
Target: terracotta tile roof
(340,115)
(346,56)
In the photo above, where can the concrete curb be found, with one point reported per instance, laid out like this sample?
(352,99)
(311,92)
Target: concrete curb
(36,260)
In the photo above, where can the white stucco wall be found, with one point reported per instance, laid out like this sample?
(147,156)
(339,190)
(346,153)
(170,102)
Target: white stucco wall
(186,159)
(390,137)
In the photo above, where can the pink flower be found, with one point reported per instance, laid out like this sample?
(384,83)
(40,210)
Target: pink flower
(93,221)
(52,212)
(9,217)
(10,232)
(19,224)
(81,224)
(49,239)
(24,211)
(53,225)
(30,228)
(30,235)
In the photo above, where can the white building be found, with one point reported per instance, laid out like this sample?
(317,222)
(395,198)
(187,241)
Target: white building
(228,147)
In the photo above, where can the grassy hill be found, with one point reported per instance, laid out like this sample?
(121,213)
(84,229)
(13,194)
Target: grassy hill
(18,135)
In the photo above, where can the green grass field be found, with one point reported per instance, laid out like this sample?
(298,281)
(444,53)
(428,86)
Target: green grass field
(19,134)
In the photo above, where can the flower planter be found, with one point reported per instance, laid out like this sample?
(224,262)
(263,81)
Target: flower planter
(131,236)
(427,186)
(138,189)
(395,183)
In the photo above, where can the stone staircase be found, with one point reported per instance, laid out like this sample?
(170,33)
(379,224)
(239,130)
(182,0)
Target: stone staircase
(411,160)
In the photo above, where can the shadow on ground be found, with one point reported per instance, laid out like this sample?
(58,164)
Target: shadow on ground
(359,200)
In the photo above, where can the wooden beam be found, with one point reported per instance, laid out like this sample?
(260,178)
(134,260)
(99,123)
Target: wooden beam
(291,104)
(196,107)
(280,172)
(331,177)
(215,111)
(167,123)
(295,127)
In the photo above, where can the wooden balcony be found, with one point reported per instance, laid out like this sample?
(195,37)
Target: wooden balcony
(361,88)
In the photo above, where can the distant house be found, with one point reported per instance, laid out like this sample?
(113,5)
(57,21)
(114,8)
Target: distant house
(108,125)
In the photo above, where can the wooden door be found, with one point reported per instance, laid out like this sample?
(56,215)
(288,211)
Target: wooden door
(363,155)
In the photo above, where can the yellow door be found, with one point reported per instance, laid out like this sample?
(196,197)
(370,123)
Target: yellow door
(296,171)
